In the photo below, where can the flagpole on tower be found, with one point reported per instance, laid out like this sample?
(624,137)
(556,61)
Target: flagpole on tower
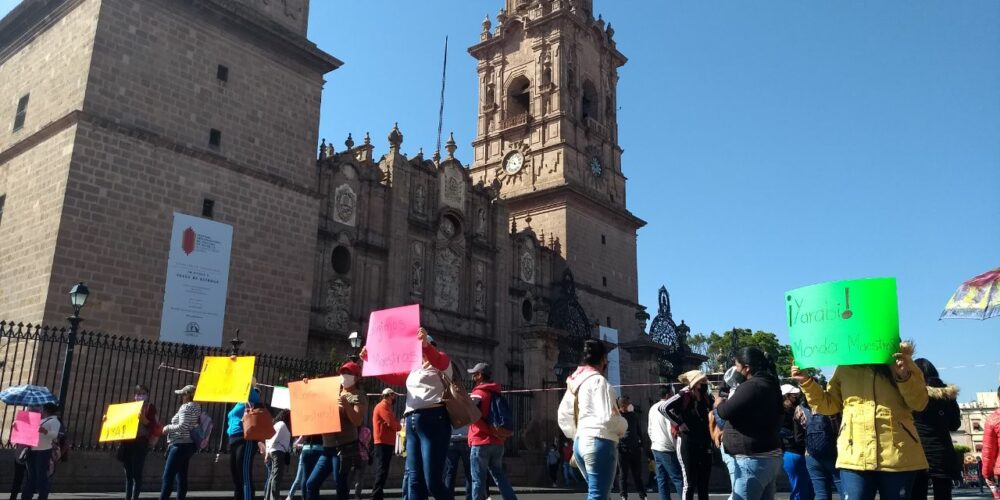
(444,75)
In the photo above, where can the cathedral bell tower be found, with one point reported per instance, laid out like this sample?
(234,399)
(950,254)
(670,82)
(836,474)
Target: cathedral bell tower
(547,136)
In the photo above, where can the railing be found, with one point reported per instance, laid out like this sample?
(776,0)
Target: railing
(106,369)
(514,121)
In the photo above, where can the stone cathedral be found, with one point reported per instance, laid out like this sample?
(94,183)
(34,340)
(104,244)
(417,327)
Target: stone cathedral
(518,248)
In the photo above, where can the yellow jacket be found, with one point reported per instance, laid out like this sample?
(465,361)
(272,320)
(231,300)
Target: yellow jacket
(876,431)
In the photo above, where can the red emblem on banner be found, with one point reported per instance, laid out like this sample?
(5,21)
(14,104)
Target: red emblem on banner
(187,242)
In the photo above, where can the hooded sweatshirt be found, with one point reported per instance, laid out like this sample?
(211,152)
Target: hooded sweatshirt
(598,412)
(479,431)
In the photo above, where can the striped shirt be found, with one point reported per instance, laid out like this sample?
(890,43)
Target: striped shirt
(182,423)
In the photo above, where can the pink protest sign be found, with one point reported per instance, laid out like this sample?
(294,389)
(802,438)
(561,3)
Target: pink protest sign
(392,341)
(25,429)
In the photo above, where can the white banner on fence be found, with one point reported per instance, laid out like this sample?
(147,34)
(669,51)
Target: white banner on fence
(194,298)
(610,335)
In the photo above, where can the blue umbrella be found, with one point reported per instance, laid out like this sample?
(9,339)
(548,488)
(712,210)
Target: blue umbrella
(27,395)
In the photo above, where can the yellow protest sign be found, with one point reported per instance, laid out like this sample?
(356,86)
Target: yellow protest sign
(121,422)
(225,380)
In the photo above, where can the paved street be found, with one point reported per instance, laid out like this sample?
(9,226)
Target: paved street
(523,494)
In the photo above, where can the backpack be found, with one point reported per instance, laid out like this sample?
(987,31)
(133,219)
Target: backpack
(499,417)
(821,436)
(201,434)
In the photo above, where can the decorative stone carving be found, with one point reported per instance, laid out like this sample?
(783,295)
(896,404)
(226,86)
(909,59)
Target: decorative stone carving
(451,189)
(420,199)
(417,268)
(479,289)
(345,205)
(447,228)
(481,222)
(527,266)
(338,298)
(446,285)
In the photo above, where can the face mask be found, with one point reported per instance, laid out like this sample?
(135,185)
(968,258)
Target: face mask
(140,397)
(348,380)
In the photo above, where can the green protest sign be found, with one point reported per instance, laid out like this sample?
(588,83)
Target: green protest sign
(851,322)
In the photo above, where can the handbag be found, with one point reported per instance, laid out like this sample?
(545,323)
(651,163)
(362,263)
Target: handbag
(461,410)
(257,424)
(21,454)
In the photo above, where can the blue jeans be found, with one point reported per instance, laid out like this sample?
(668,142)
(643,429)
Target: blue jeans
(598,461)
(756,477)
(798,476)
(489,458)
(307,461)
(428,434)
(730,462)
(327,464)
(569,475)
(38,475)
(176,470)
(458,453)
(668,470)
(862,485)
(825,477)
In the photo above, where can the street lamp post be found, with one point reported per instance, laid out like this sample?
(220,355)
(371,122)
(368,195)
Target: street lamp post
(77,298)
(355,339)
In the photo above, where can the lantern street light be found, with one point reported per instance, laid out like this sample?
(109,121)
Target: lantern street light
(355,339)
(77,298)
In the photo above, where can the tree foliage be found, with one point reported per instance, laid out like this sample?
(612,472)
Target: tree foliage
(719,348)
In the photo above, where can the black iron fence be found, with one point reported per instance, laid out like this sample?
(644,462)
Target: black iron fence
(106,369)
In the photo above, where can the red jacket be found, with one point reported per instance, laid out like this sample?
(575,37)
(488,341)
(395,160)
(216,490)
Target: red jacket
(385,424)
(479,431)
(991,444)
(437,358)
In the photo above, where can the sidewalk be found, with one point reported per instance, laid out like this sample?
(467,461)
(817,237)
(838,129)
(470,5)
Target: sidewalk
(389,493)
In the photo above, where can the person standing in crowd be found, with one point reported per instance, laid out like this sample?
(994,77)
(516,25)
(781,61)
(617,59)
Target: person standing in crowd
(276,456)
(689,410)
(180,446)
(821,453)
(458,453)
(132,453)
(716,426)
(569,474)
(934,426)
(310,449)
(989,466)
(793,443)
(552,461)
(428,427)
(385,426)
(241,451)
(664,446)
(878,448)
(631,451)
(589,414)
(752,434)
(37,462)
(341,453)
(486,449)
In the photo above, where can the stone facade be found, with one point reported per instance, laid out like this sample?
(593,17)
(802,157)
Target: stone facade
(116,137)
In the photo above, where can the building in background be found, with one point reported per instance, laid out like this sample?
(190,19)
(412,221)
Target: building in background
(974,416)
(114,114)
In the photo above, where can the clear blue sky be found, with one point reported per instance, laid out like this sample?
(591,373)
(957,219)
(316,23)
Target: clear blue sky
(769,145)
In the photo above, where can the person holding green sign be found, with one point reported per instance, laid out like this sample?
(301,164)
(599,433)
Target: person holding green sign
(878,447)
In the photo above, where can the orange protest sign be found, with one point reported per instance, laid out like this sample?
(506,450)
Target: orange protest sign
(317,406)
(225,380)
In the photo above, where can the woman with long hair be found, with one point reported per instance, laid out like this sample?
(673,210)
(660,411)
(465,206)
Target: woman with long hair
(752,435)
(878,448)
(589,415)
(934,426)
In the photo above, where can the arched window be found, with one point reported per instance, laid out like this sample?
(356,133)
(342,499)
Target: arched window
(589,101)
(518,97)
(341,260)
